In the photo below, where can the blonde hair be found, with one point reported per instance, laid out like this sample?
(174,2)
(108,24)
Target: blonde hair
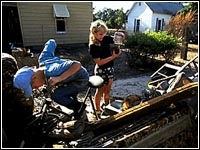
(96,26)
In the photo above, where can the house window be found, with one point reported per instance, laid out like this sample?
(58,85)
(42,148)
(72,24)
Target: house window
(159,24)
(60,13)
(137,25)
(60,25)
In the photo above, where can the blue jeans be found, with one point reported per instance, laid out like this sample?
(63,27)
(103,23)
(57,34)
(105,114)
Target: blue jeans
(67,93)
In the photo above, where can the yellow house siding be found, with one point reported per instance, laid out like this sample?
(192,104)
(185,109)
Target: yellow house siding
(38,23)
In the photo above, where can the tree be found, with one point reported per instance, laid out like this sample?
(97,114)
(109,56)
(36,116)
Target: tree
(192,6)
(113,18)
(180,25)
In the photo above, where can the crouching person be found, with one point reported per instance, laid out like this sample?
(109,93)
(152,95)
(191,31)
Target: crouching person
(68,77)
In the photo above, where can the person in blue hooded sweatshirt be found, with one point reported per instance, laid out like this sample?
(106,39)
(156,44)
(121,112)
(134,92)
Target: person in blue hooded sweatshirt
(68,76)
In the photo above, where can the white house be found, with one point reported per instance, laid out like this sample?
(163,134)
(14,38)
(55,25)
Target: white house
(150,16)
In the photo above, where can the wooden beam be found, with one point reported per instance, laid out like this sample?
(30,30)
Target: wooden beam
(137,111)
(164,133)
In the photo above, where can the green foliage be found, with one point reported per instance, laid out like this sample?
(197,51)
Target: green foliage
(145,46)
(113,18)
(192,6)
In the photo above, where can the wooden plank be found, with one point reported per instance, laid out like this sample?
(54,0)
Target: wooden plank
(162,79)
(135,112)
(164,133)
(173,67)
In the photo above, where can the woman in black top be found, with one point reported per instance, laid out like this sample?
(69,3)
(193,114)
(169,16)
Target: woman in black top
(103,56)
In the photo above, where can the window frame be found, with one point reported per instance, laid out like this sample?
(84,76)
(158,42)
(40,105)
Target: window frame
(59,19)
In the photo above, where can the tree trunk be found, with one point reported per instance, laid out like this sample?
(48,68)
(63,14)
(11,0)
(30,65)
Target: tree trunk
(185,44)
(185,50)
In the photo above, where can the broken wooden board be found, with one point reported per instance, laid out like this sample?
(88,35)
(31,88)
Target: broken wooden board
(137,111)
(164,133)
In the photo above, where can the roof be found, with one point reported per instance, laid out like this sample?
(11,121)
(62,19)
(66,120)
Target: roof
(162,7)
(165,7)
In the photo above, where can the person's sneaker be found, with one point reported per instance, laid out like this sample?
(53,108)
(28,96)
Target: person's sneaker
(105,114)
(99,113)
(103,106)
(102,114)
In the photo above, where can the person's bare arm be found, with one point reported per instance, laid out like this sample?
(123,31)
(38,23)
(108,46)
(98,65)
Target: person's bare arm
(106,60)
(72,70)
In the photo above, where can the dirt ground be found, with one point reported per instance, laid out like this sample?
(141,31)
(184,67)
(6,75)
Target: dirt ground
(122,68)
(128,81)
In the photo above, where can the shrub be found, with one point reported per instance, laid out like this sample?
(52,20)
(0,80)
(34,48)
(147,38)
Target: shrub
(144,47)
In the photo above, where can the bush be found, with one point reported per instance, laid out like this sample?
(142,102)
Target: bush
(143,47)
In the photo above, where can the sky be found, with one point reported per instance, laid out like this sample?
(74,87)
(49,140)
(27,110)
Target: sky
(99,5)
